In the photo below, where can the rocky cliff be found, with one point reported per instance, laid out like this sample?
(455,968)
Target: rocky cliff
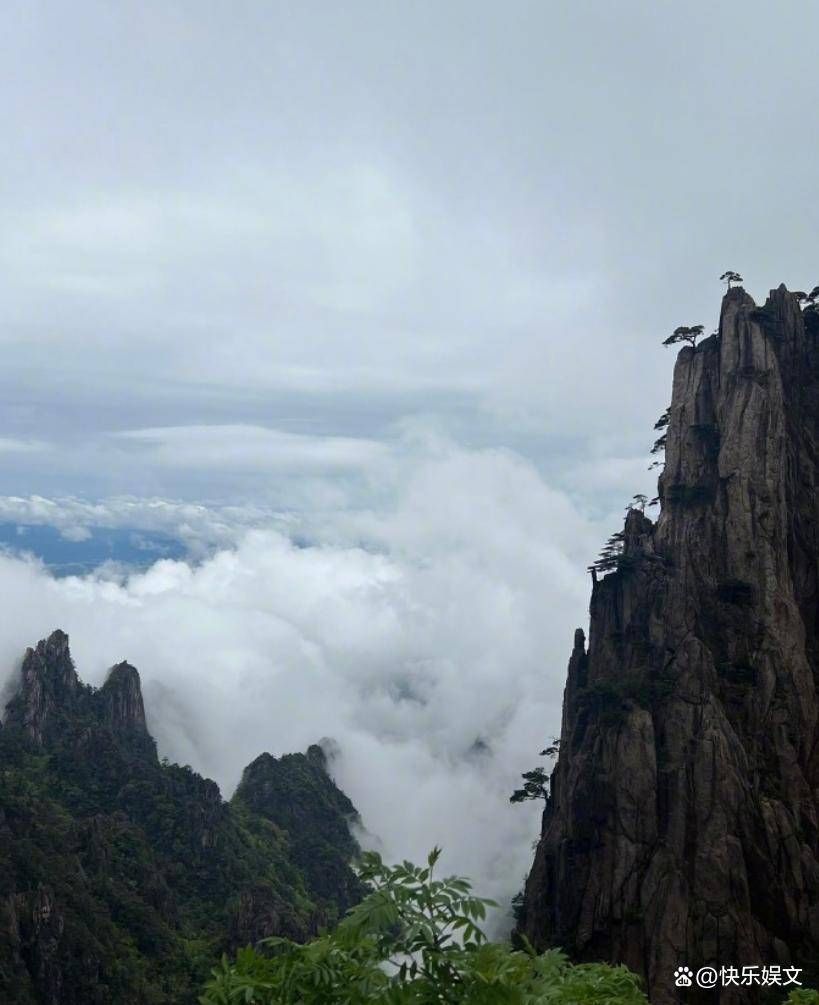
(121,696)
(682,825)
(123,878)
(51,702)
(48,689)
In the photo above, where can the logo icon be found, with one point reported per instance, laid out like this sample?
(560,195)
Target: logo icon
(682,977)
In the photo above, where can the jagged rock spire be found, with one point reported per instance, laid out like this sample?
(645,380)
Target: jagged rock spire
(121,695)
(52,704)
(48,688)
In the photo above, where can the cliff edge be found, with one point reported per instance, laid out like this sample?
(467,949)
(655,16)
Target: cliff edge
(682,825)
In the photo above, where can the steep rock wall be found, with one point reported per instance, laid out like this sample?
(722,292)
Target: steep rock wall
(683,820)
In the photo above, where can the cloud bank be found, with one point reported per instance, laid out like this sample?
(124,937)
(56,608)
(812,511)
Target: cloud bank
(291,220)
(429,638)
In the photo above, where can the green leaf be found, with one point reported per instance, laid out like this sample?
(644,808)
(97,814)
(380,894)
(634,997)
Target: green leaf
(396,948)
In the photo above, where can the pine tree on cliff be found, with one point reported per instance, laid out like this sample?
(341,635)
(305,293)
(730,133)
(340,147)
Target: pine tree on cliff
(730,277)
(684,333)
(659,444)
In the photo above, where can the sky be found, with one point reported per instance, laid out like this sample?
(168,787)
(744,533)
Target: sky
(362,305)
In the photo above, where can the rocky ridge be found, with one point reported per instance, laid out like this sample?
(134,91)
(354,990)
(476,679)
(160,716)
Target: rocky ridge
(683,820)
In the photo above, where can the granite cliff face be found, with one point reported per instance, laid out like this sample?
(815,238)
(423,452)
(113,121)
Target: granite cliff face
(123,878)
(683,821)
(48,689)
(122,699)
(51,702)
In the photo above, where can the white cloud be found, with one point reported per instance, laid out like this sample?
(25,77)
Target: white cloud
(198,527)
(76,534)
(398,230)
(429,638)
(250,448)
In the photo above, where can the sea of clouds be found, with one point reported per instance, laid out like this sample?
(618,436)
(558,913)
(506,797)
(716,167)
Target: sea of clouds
(428,637)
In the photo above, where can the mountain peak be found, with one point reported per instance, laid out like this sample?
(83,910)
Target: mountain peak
(296,793)
(52,704)
(682,817)
(49,687)
(122,699)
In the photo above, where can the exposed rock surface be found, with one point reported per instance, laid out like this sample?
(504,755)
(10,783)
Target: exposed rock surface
(122,698)
(51,701)
(48,688)
(683,821)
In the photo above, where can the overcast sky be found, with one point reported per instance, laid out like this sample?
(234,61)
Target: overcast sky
(386,277)
(321,218)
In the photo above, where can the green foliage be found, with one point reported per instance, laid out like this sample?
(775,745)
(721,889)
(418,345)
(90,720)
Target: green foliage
(414,939)
(611,555)
(803,996)
(151,873)
(297,795)
(659,444)
(536,786)
(517,906)
(536,782)
(730,277)
(684,333)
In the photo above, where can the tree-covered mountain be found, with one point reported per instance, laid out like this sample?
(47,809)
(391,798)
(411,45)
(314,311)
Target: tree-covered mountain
(123,877)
